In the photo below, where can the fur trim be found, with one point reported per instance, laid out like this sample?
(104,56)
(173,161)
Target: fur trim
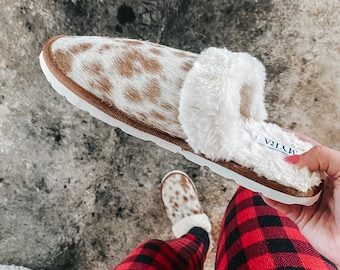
(185,224)
(222,112)
(210,101)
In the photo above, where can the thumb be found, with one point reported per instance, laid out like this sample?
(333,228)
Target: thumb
(314,160)
(319,158)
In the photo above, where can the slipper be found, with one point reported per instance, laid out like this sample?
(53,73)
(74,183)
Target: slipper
(181,203)
(208,107)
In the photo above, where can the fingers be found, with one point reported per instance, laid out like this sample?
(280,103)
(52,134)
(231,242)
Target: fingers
(323,159)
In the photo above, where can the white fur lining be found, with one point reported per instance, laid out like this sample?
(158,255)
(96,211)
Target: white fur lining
(182,226)
(222,112)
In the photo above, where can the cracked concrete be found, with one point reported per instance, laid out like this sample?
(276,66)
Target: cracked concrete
(76,193)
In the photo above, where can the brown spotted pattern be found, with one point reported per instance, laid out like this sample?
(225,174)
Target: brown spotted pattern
(179,196)
(80,48)
(134,62)
(140,78)
(63,60)
(153,90)
(132,94)
(186,66)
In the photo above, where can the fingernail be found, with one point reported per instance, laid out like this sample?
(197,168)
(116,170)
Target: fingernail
(294,159)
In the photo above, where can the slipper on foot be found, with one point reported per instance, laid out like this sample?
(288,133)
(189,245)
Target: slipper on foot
(180,200)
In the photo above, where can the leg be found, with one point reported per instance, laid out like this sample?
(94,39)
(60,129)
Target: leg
(187,252)
(255,236)
(191,227)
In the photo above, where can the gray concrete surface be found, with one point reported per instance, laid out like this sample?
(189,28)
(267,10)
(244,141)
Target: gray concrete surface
(76,193)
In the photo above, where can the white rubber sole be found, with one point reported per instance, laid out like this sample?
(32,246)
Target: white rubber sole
(229,174)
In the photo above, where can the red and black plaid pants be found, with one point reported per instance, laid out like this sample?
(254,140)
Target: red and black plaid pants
(252,236)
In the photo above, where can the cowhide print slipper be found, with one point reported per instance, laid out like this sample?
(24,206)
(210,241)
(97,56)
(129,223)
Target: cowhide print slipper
(180,200)
(208,107)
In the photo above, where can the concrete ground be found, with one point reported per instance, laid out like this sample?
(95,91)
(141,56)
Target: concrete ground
(76,193)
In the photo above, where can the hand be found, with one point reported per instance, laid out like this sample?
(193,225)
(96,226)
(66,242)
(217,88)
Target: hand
(319,223)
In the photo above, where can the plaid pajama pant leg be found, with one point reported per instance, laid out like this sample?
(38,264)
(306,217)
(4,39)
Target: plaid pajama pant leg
(255,236)
(252,236)
(185,253)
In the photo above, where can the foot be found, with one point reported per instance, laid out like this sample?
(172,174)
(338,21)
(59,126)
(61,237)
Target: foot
(180,200)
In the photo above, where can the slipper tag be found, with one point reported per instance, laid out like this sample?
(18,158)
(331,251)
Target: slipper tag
(272,144)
